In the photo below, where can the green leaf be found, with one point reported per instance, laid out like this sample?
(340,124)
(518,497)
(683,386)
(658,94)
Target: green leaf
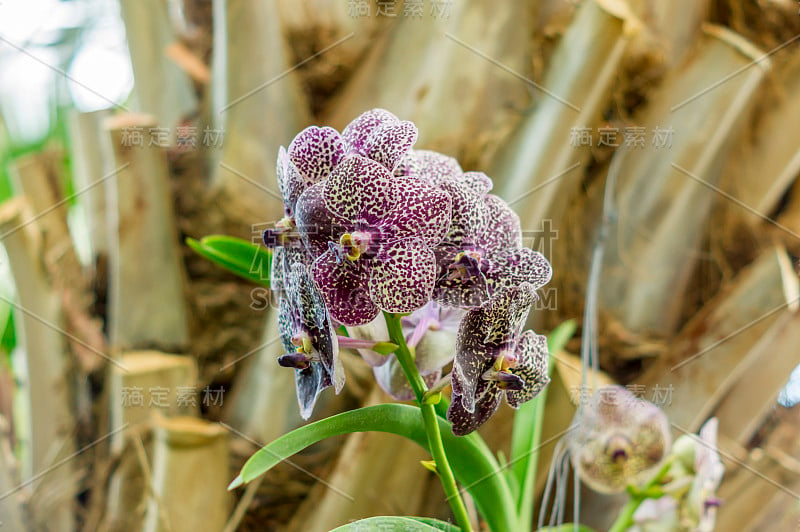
(437,524)
(527,432)
(238,256)
(472,462)
(404,524)
(566,527)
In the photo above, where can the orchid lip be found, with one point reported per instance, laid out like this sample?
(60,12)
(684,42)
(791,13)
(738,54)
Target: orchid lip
(505,361)
(504,379)
(283,231)
(467,263)
(296,360)
(618,448)
(351,246)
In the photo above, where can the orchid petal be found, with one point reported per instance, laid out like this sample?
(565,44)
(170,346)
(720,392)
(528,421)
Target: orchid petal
(531,366)
(359,188)
(357,132)
(420,210)
(316,223)
(315,151)
(389,142)
(402,277)
(465,421)
(344,287)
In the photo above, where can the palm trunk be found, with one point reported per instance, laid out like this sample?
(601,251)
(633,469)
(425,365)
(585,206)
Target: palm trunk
(50,423)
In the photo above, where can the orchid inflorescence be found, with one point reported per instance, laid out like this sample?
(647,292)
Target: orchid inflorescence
(371,225)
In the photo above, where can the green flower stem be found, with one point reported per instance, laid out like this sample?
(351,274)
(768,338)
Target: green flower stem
(638,496)
(406,360)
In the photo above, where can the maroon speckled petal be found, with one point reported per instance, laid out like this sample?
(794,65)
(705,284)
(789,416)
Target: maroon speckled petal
(315,320)
(476,181)
(315,151)
(429,166)
(504,315)
(389,142)
(504,231)
(359,188)
(519,266)
(344,288)
(421,210)
(358,132)
(473,357)
(471,215)
(461,293)
(401,279)
(485,406)
(531,367)
(290,183)
(316,223)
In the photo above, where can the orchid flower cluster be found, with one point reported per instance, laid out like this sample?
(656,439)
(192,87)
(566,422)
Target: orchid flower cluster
(372,225)
(619,442)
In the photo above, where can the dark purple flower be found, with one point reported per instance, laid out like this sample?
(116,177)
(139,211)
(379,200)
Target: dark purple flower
(482,252)
(374,235)
(493,356)
(308,337)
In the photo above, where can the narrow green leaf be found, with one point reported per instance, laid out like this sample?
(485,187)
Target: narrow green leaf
(473,464)
(406,524)
(527,432)
(238,256)
(567,527)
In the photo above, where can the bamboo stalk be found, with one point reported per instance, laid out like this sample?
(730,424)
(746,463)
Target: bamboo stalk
(664,201)
(460,77)
(147,299)
(768,152)
(161,87)
(538,169)
(145,382)
(91,156)
(37,176)
(259,108)
(190,474)
(376,474)
(675,25)
(718,348)
(762,375)
(39,315)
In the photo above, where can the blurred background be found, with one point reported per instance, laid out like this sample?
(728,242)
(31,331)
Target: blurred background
(136,378)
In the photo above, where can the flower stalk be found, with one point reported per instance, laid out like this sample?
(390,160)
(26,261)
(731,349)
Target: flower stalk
(637,496)
(406,360)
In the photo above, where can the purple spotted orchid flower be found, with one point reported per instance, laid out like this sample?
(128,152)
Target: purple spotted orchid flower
(482,252)
(494,357)
(308,337)
(315,152)
(373,236)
